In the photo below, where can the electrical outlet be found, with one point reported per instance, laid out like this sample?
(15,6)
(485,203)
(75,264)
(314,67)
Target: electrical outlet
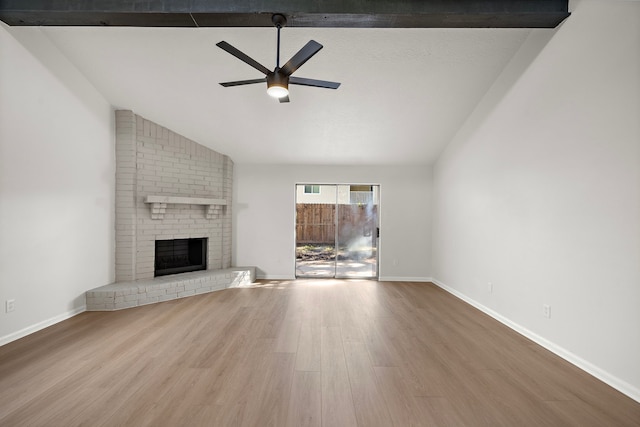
(10,305)
(546,311)
(490,287)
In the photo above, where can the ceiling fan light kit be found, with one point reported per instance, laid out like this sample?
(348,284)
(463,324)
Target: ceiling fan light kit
(279,79)
(277,85)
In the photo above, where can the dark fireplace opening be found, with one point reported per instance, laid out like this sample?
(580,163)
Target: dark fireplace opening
(180,256)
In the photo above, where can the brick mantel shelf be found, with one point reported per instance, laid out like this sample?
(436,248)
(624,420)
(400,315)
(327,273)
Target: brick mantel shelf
(159,204)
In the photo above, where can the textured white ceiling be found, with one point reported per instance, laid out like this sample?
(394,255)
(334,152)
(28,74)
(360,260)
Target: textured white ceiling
(404,93)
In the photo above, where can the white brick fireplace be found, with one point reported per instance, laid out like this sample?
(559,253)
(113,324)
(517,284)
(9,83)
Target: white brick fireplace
(167,187)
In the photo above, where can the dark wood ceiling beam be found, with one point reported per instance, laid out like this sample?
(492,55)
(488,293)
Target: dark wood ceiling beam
(300,13)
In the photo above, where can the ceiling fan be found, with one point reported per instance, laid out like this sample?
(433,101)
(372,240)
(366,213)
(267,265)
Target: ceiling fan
(280,78)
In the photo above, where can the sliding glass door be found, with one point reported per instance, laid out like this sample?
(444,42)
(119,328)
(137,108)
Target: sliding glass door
(337,230)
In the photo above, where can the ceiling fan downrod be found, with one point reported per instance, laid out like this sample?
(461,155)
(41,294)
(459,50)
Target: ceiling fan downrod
(279,21)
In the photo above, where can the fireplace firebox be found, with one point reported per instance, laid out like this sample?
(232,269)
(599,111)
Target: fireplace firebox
(180,256)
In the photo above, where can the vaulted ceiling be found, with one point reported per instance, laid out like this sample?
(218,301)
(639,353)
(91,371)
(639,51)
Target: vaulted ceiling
(405,91)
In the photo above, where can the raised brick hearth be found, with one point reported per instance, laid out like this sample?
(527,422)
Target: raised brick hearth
(117,296)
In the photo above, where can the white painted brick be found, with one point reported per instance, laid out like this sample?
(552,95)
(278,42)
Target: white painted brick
(125,304)
(148,300)
(141,255)
(149,156)
(186,293)
(146,149)
(156,293)
(190,286)
(167,297)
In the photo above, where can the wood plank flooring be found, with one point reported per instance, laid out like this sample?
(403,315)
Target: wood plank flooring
(298,353)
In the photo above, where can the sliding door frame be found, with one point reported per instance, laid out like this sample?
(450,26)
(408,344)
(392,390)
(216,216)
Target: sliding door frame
(376,238)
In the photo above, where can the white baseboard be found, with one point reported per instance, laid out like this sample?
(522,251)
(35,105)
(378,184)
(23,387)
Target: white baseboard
(380,279)
(404,279)
(274,277)
(41,325)
(602,375)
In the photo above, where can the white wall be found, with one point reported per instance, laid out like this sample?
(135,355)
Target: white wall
(264,227)
(57,190)
(542,196)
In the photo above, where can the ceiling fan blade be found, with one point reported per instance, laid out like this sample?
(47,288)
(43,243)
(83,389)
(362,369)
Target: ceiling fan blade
(312,82)
(301,57)
(243,57)
(284,99)
(243,82)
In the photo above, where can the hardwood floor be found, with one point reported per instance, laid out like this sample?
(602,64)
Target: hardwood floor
(300,353)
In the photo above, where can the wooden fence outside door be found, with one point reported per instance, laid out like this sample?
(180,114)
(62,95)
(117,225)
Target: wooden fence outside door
(315,223)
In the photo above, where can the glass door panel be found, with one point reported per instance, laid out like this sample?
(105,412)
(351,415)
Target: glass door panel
(315,230)
(357,231)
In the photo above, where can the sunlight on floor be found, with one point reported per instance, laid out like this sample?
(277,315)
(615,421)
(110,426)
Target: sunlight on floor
(303,281)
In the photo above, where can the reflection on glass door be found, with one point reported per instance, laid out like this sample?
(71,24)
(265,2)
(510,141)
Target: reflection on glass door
(336,230)
(357,231)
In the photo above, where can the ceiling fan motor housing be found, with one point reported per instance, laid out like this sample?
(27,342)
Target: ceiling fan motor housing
(276,78)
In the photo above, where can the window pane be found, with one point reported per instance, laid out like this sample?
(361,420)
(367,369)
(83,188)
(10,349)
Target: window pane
(312,189)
